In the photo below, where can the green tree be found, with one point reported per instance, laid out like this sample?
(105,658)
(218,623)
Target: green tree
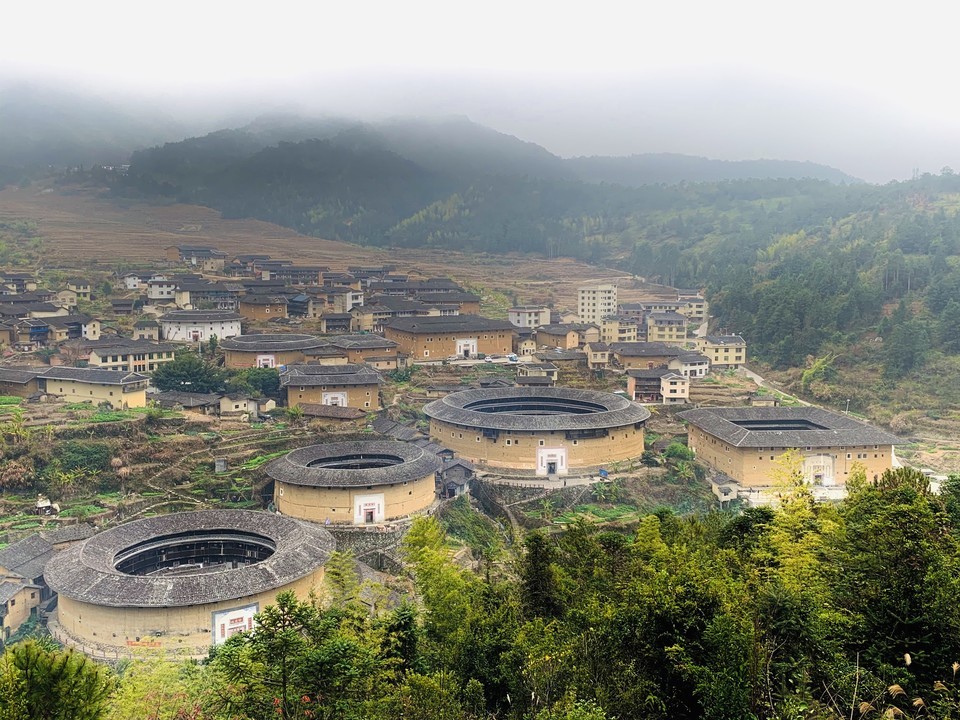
(42,684)
(188,372)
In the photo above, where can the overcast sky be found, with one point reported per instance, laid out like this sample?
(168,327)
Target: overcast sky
(865,86)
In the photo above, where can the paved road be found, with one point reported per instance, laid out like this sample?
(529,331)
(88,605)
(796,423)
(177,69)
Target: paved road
(761,382)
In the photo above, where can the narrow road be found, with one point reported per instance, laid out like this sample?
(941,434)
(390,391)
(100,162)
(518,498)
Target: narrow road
(761,382)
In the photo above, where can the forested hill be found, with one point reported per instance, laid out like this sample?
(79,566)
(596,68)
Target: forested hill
(671,168)
(859,284)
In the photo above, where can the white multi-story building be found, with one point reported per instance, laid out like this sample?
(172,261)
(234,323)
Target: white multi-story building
(199,325)
(531,316)
(595,302)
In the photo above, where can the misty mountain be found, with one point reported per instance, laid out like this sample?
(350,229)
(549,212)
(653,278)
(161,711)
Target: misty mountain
(43,127)
(671,168)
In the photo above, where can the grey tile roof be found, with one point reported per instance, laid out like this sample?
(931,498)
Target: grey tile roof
(335,412)
(271,342)
(839,430)
(361,341)
(93,375)
(300,467)
(263,300)
(328,375)
(20,377)
(172,398)
(188,316)
(68,533)
(565,411)
(725,339)
(449,324)
(27,557)
(646,349)
(86,571)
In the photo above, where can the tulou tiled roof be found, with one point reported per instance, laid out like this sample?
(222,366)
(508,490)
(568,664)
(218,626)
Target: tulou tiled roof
(188,316)
(86,571)
(271,342)
(834,429)
(402,462)
(534,409)
(328,375)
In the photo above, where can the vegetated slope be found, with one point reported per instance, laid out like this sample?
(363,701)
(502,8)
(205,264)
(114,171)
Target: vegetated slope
(670,168)
(44,127)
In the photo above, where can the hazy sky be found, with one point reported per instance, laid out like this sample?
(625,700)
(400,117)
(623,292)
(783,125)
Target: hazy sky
(865,86)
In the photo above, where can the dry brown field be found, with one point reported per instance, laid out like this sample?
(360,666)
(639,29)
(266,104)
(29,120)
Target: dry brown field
(80,226)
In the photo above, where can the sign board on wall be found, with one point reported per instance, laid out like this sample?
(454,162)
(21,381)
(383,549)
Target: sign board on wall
(229,622)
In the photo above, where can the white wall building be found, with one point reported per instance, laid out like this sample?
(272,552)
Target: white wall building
(199,325)
(595,302)
(531,316)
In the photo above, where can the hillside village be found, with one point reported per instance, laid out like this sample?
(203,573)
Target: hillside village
(386,369)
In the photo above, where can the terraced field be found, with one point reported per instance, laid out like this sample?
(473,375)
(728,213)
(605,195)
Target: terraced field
(80,225)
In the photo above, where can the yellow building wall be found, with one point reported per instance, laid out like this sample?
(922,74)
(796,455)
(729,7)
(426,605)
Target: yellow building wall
(364,397)
(755,467)
(23,603)
(622,443)
(336,504)
(721,355)
(73,391)
(439,346)
(666,333)
(189,627)
(247,359)
(647,362)
(262,312)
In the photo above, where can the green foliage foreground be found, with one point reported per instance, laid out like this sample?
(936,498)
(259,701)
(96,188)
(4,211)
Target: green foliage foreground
(807,612)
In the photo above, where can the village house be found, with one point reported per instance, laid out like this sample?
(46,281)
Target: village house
(71,327)
(568,336)
(67,299)
(598,355)
(17,602)
(525,341)
(81,287)
(562,358)
(666,327)
(16,283)
(261,308)
(121,390)
(205,258)
(530,316)
(146,329)
(439,338)
(356,386)
(660,385)
(727,352)
(746,443)
(130,355)
(545,372)
(379,310)
(271,350)
(127,306)
(373,350)
(202,403)
(24,333)
(643,354)
(199,325)
(196,294)
(18,382)
(595,302)
(618,328)
(690,364)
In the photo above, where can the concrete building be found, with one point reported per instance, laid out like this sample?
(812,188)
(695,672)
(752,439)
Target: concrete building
(618,328)
(199,325)
(530,316)
(354,483)
(355,386)
(745,443)
(121,390)
(130,355)
(658,386)
(595,302)
(546,431)
(439,338)
(726,352)
(182,582)
(666,327)
(691,365)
